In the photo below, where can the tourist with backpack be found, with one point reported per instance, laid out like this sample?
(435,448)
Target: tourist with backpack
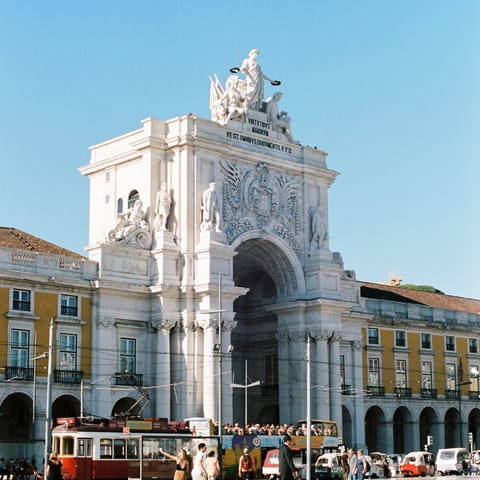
(246,466)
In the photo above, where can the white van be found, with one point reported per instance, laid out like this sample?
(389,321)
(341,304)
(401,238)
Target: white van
(451,460)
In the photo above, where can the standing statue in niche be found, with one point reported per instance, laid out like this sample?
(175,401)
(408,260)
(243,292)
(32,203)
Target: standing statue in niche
(210,209)
(279,119)
(319,231)
(255,80)
(162,208)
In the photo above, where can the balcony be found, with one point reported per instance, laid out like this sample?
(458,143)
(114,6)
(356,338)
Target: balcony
(129,379)
(375,390)
(473,395)
(428,393)
(68,376)
(347,390)
(403,392)
(22,374)
(452,394)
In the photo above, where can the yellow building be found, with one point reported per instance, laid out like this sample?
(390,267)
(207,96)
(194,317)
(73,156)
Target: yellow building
(41,282)
(421,361)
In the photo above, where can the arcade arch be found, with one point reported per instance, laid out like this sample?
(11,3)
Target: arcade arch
(375,429)
(428,425)
(16,422)
(403,435)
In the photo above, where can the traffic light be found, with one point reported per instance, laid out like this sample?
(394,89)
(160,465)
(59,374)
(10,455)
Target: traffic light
(470,437)
(429,440)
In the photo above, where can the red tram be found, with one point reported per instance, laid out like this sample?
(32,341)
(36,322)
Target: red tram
(122,449)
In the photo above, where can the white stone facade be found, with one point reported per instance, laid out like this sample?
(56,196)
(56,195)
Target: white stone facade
(269,237)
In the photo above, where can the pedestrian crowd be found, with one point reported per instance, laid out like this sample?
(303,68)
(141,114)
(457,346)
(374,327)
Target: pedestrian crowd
(272,429)
(18,469)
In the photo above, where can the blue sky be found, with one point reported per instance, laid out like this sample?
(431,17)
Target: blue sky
(390,89)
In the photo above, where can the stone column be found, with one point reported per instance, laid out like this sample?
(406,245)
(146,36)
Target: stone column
(210,367)
(334,374)
(358,421)
(321,378)
(163,378)
(227,405)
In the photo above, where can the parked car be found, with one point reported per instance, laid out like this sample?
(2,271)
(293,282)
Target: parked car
(378,465)
(452,460)
(270,464)
(327,467)
(418,464)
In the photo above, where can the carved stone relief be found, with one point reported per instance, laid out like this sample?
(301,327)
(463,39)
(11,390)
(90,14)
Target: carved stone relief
(260,199)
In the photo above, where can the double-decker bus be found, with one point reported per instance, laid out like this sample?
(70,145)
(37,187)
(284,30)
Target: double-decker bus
(123,449)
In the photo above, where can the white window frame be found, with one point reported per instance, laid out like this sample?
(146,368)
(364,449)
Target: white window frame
(378,336)
(78,303)
(30,292)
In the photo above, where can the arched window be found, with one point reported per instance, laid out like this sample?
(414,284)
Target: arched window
(132,198)
(119,205)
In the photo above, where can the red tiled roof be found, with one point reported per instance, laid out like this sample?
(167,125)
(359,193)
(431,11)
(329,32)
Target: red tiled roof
(399,294)
(13,238)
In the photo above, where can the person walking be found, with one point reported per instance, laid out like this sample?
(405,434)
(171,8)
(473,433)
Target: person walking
(286,467)
(352,464)
(198,470)
(246,466)
(212,467)
(361,465)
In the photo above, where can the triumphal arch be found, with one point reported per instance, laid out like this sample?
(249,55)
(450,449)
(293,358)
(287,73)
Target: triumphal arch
(198,223)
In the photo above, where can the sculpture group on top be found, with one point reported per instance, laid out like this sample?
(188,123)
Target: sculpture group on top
(241,97)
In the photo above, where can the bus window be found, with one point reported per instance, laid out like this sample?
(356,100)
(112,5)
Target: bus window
(118,448)
(132,448)
(105,448)
(67,446)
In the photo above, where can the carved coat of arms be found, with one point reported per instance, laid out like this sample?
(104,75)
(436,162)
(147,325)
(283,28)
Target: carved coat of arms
(259,199)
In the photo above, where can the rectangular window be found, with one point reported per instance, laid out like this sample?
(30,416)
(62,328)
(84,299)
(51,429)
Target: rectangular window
(69,305)
(119,448)
(426,341)
(472,345)
(427,375)
(132,448)
(400,338)
(374,372)
(127,355)
(373,338)
(68,352)
(271,369)
(21,300)
(401,373)
(451,375)
(342,369)
(450,344)
(19,352)
(474,386)
(105,448)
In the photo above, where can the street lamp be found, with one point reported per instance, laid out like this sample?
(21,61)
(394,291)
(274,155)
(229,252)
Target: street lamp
(246,386)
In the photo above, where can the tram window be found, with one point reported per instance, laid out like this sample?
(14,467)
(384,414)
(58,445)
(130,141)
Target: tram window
(118,448)
(105,448)
(132,448)
(67,445)
(56,444)
(81,447)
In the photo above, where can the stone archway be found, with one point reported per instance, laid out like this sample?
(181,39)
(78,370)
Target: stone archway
(347,427)
(452,428)
(16,418)
(474,426)
(122,406)
(271,272)
(428,426)
(402,430)
(375,429)
(65,406)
